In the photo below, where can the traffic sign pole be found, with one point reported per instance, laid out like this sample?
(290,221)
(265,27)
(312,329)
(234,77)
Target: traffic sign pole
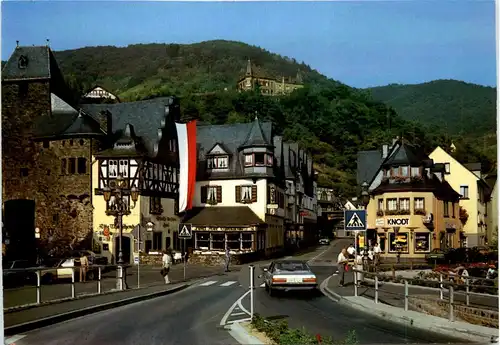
(184,258)
(185,232)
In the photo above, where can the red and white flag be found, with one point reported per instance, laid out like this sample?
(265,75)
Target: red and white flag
(186,137)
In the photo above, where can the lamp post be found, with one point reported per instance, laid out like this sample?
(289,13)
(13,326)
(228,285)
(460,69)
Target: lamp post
(118,189)
(365,199)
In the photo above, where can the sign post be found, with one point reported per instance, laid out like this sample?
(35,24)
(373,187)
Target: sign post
(355,220)
(185,233)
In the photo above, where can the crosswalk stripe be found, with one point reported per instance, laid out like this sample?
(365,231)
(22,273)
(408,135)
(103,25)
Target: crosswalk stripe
(209,283)
(229,283)
(13,339)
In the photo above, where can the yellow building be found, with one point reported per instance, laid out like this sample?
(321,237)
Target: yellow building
(492,209)
(412,208)
(466,179)
(268,86)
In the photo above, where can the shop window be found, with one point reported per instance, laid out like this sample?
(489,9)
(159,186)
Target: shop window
(233,241)
(422,242)
(382,241)
(398,243)
(82,165)
(218,241)
(246,241)
(157,241)
(148,246)
(202,240)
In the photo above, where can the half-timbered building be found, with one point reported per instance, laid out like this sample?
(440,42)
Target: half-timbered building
(142,149)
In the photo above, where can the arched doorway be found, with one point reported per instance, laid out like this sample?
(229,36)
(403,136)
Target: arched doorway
(126,248)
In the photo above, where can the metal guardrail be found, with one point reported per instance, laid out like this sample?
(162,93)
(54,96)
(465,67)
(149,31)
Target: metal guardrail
(449,291)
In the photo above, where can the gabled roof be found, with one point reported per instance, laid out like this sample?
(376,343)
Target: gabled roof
(127,144)
(368,164)
(221,145)
(256,136)
(37,64)
(405,154)
(236,216)
(466,165)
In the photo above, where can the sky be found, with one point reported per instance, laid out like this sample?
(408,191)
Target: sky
(362,43)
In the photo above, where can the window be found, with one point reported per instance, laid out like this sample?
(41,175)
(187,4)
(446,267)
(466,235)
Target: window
(211,194)
(392,204)
(64,166)
(71,165)
(233,241)
(155,205)
(464,191)
(82,142)
(218,162)
(419,204)
(446,210)
(71,142)
(404,204)
(46,144)
(82,165)
(446,168)
(453,210)
(218,241)
(24,172)
(422,242)
(246,241)
(269,160)
(23,90)
(398,243)
(55,218)
(405,171)
(415,171)
(111,205)
(112,168)
(394,171)
(260,159)
(248,160)
(168,242)
(123,168)
(380,204)
(156,241)
(246,193)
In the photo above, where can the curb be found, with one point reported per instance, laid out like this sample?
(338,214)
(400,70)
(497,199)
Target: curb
(448,330)
(32,325)
(241,335)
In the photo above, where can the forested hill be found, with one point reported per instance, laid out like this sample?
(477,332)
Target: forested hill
(455,106)
(137,71)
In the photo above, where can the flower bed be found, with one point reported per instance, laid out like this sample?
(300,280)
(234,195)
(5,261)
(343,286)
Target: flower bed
(279,333)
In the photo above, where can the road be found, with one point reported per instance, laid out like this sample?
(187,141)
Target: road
(197,316)
(323,316)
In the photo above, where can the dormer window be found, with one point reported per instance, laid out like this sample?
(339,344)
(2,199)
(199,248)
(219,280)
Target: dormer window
(249,160)
(218,162)
(258,159)
(405,171)
(415,171)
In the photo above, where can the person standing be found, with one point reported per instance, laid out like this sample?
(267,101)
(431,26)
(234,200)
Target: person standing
(84,266)
(227,258)
(376,254)
(167,263)
(341,263)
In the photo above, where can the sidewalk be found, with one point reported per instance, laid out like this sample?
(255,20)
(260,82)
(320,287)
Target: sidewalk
(391,307)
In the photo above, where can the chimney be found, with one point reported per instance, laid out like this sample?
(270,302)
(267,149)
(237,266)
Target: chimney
(394,141)
(385,151)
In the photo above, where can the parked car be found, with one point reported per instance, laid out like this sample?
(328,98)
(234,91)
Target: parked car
(94,259)
(289,275)
(18,278)
(324,241)
(63,270)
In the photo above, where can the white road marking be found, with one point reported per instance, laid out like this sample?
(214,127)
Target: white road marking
(236,304)
(229,283)
(319,255)
(13,339)
(209,283)
(238,314)
(262,285)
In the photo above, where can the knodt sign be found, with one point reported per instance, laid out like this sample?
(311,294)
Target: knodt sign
(398,221)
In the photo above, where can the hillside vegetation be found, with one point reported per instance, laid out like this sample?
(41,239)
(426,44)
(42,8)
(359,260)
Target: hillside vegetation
(454,106)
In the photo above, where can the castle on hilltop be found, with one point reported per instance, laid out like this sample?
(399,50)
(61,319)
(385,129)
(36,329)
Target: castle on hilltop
(268,86)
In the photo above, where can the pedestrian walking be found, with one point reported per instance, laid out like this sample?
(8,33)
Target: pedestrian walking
(84,266)
(342,261)
(227,258)
(167,263)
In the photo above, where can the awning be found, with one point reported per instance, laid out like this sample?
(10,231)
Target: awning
(223,216)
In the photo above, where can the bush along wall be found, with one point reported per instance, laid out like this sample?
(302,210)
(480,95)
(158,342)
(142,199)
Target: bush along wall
(281,334)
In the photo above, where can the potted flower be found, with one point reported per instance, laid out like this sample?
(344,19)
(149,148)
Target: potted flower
(380,213)
(420,211)
(463,215)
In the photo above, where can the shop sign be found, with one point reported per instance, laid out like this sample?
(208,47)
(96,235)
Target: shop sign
(379,222)
(398,221)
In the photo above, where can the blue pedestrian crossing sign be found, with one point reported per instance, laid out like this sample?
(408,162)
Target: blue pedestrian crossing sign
(355,220)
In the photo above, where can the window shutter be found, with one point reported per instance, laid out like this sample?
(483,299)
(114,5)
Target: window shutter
(204,194)
(219,194)
(238,193)
(254,193)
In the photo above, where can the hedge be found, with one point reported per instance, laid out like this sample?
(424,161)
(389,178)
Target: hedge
(281,334)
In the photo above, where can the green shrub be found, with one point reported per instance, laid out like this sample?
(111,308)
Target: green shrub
(281,334)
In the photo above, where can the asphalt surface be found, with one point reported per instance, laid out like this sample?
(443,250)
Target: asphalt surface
(321,315)
(191,316)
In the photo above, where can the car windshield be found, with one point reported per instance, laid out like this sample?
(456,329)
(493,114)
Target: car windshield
(291,266)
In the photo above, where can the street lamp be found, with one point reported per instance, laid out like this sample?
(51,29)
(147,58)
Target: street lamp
(365,196)
(120,208)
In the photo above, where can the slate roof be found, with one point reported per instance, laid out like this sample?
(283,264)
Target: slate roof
(256,137)
(65,121)
(38,64)
(368,163)
(223,216)
(406,155)
(232,136)
(147,117)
